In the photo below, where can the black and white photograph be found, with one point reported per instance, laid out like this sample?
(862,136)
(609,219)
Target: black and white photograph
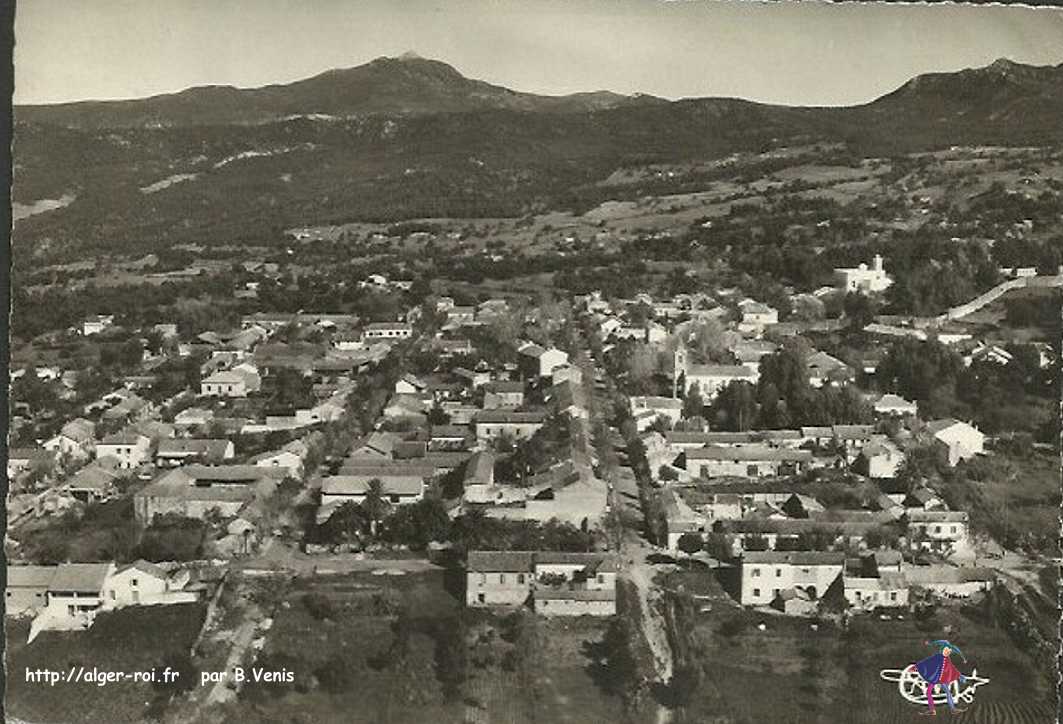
(534,362)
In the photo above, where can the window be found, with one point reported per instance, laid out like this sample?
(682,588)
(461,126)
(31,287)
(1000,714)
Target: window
(778,573)
(893,595)
(952,529)
(520,578)
(937,528)
(133,583)
(756,573)
(601,578)
(483,579)
(756,593)
(112,594)
(501,577)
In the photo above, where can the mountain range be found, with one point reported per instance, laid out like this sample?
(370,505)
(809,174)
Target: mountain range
(402,138)
(410,84)
(407,84)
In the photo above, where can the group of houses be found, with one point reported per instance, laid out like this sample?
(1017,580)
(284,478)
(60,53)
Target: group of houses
(69,596)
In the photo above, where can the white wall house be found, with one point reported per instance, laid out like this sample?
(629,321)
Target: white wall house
(863,278)
(131,449)
(387,330)
(767,574)
(961,441)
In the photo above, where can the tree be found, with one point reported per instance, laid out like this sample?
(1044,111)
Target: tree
(437,415)
(860,310)
(785,372)
(347,523)
(418,524)
(375,506)
(690,543)
(736,406)
(693,403)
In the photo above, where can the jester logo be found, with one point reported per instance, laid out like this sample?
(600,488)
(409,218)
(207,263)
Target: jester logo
(936,680)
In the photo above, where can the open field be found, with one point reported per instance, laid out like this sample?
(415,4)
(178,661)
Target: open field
(1014,499)
(129,640)
(828,675)
(401,648)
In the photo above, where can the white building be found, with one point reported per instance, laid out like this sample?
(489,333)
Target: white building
(96,324)
(131,449)
(75,593)
(646,410)
(144,584)
(237,382)
(888,590)
(862,278)
(894,405)
(961,440)
(387,330)
(938,530)
(767,574)
(880,459)
(539,362)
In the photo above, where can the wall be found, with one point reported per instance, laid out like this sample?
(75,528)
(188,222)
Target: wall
(570,607)
(497,588)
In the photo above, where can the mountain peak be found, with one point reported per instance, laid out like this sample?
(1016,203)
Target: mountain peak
(1003,64)
(410,55)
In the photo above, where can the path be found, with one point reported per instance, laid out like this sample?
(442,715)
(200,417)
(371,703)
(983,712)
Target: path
(633,548)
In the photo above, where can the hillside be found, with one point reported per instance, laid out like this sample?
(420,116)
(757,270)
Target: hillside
(459,148)
(404,85)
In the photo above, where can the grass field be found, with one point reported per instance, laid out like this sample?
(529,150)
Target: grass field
(366,661)
(792,674)
(1014,499)
(128,640)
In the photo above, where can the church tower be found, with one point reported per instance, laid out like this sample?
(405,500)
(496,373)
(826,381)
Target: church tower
(679,367)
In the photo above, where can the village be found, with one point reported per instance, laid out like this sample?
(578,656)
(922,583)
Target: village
(550,453)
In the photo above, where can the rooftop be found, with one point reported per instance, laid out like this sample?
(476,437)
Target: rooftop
(795,558)
(80,577)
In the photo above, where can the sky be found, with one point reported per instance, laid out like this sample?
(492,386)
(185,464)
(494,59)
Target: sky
(792,53)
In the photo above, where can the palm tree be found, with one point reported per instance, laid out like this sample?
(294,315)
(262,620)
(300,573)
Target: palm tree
(375,505)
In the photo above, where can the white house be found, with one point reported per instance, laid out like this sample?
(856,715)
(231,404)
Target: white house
(938,530)
(75,593)
(710,379)
(888,590)
(387,330)
(539,362)
(862,278)
(880,459)
(397,487)
(646,410)
(144,584)
(76,439)
(131,449)
(894,405)
(824,369)
(236,382)
(961,440)
(491,424)
(756,315)
(282,460)
(765,575)
(558,584)
(178,451)
(96,324)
